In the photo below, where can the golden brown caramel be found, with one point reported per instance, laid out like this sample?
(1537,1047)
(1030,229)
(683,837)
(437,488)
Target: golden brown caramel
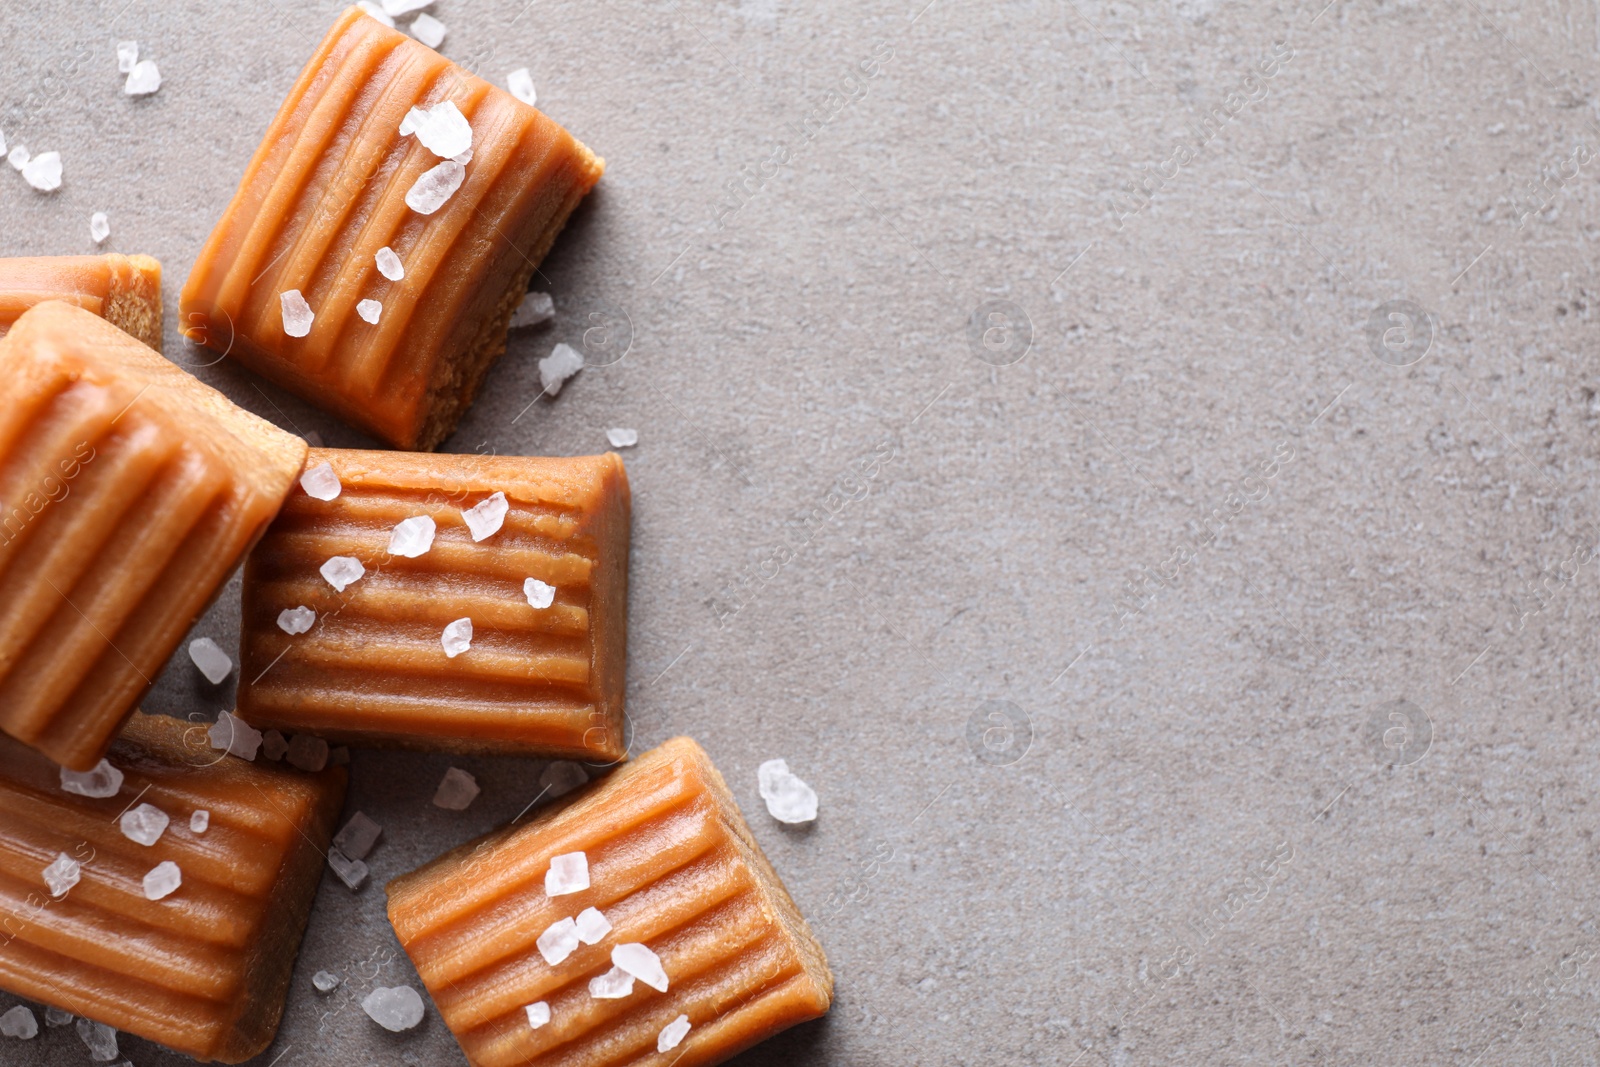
(671,866)
(327,190)
(128,491)
(205,969)
(123,290)
(373,668)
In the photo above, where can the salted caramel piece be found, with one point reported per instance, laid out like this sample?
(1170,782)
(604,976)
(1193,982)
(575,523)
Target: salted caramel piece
(128,492)
(123,290)
(372,616)
(203,969)
(691,902)
(326,195)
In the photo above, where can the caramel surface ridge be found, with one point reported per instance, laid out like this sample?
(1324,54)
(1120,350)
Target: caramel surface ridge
(123,290)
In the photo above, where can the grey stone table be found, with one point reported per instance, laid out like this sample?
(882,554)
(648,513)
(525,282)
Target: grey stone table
(1136,461)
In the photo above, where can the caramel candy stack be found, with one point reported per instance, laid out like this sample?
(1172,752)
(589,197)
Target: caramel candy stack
(123,290)
(203,970)
(373,668)
(128,492)
(327,190)
(672,867)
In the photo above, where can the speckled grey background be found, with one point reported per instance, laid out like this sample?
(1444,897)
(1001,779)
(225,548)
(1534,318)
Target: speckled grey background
(1207,548)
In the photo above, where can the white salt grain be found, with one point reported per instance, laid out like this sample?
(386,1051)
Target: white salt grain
(430,191)
(100,1038)
(520,82)
(568,873)
(429,30)
(562,363)
(464,158)
(442,129)
(274,745)
(144,824)
(104,781)
(486,517)
(234,735)
(562,777)
(308,753)
(127,56)
(534,309)
(200,821)
(340,571)
(99,226)
(62,874)
(558,941)
(389,264)
(613,985)
(162,881)
(538,1014)
(457,638)
(143,79)
(212,661)
(297,314)
(412,537)
(296,620)
(369,310)
(621,437)
(57,1017)
(404,7)
(321,483)
(376,12)
(43,171)
(18,157)
(788,798)
(19,1022)
(351,872)
(457,790)
(643,964)
(358,836)
(672,1034)
(398,1008)
(592,926)
(539,594)
(325,981)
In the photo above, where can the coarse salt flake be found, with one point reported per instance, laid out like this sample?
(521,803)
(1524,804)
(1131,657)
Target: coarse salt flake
(429,193)
(672,1034)
(369,310)
(321,482)
(54,1016)
(613,985)
(164,878)
(393,1008)
(568,873)
(62,874)
(562,777)
(212,661)
(100,1039)
(520,82)
(389,264)
(358,836)
(99,227)
(562,363)
(534,309)
(622,437)
(442,129)
(200,821)
(788,799)
(144,824)
(43,171)
(592,926)
(351,872)
(127,56)
(232,734)
(412,537)
(18,157)
(558,941)
(457,790)
(296,620)
(539,594)
(376,12)
(486,517)
(340,571)
(297,314)
(429,30)
(643,964)
(325,981)
(538,1014)
(457,638)
(143,79)
(19,1022)
(103,781)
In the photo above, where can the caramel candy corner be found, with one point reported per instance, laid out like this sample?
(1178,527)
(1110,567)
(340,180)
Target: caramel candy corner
(545,593)
(672,867)
(203,970)
(123,290)
(128,492)
(327,191)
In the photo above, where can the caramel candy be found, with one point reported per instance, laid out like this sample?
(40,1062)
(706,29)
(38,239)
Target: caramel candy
(202,969)
(699,926)
(543,597)
(123,290)
(326,196)
(128,492)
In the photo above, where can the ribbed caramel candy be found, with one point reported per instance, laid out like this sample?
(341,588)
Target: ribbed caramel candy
(327,190)
(203,970)
(123,290)
(373,668)
(672,866)
(128,492)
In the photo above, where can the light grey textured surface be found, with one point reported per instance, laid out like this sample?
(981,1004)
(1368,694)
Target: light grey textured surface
(1196,658)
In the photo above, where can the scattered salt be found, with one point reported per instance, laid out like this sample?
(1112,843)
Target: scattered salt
(442,129)
(643,964)
(621,437)
(340,571)
(351,872)
(274,745)
(592,926)
(486,517)
(19,1022)
(520,82)
(164,878)
(559,941)
(394,1008)
(212,661)
(104,781)
(320,482)
(143,79)
(672,1034)
(144,824)
(308,753)
(358,836)
(325,981)
(57,1017)
(412,537)
(99,226)
(562,777)
(127,56)
(457,638)
(18,157)
(389,264)
(296,620)
(376,12)
(234,735)
(404,7)
(436,186)
(534,309)
(568,873)
(100,1038)
(429,30)
(297,314)
(788,798)
(538,1014)
(43,171)
(457,790)
(62,874)
(369,310)
(464,158)
(562,363)
(200,821)
(613,985)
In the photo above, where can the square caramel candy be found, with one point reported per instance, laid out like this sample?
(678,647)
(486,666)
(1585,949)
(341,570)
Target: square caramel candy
(640,918)
(336,190)
(123,290)
(92,921)
(129,491)
(464,603)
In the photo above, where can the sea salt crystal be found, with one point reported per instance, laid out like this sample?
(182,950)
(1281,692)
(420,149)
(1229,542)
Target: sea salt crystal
(429,30)
(297,314)
(538,1014)
(486,517)
(412,537)
(340,571)
(520,82)
(613,985)
(358,836)
(19,1022)
(200,821)
(369,310)
(351,872)
(321,483)
(442,129)
(430,191)
(18,157)
(643,964)
(464,158)
(296,620)
(788,798)
(404,7)
(143,79)
(100,1038)
(62,874)
(394,1008)
(457,638)
(539,594)
(212,661)
(672,1034)
(568,873)
(559,941)
(164,878)
(57,1017)
(457,790)
(325,981)
(562,363)
(235,735)
(99,226)
(389,264)
(534,309)
(592,926)
(43,171)
(562,777)
(308,753)
(104,781)
(621,437)
(144,824)
(376,12)
(274,745)
(127,56)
